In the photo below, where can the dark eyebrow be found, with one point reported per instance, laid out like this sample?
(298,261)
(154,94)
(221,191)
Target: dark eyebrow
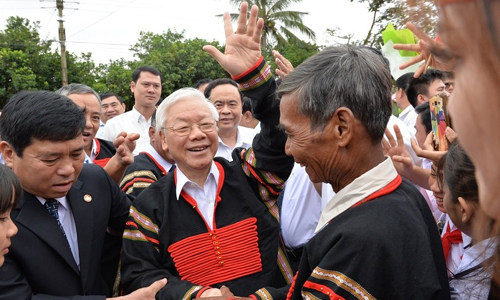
(281,127)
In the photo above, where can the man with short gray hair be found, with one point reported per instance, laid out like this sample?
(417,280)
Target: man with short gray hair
(376,238)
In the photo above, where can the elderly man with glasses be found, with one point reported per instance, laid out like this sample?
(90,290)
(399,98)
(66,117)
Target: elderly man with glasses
(213,224)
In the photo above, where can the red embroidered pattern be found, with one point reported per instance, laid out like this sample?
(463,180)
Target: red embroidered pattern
(220,255)
(323,289)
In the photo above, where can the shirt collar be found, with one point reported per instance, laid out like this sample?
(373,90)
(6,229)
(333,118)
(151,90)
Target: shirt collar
(241,140)
(406,110)
(163,162)
(93,153)
(137,116)
(477,254)
(363,186)
(62,201)
(182,180)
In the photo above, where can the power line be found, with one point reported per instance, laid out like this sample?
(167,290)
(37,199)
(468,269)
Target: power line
(103,18)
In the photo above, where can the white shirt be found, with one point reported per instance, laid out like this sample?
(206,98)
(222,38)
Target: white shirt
(68,223)
(204,196)
(300,209)
(163,162)
(409,117)
(244,139)
(363,186)
(456,250)
(93,154)
(100,132)
(130,122)
(475,285)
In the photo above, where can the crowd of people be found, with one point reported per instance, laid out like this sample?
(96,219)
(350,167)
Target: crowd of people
(248,187)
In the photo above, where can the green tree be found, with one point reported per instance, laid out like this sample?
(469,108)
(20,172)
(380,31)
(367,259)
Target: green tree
(279,23)
(28,63)
(422,13)
(296,54)
(181,61)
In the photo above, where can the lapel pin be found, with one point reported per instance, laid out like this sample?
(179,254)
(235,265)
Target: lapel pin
(87,198)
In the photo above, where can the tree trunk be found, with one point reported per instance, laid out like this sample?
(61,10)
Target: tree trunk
(373,24)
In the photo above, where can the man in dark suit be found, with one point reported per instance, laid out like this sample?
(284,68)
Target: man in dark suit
(66,208)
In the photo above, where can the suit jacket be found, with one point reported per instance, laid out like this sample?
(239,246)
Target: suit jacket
(40,264)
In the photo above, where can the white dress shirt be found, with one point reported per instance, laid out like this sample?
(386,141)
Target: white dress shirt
(363,186)
(204,196)
(300,209)
(409,117)
(244,139)
(68,223)
(130,122)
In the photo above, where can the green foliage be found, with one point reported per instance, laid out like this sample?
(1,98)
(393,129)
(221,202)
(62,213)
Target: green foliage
(295,53)
(28,63)
(182,62)
(279,23)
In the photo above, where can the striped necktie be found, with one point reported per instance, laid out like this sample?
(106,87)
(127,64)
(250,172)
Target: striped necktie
(51,205)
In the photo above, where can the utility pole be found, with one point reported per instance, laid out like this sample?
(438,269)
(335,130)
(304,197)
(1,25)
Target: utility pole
(62,41)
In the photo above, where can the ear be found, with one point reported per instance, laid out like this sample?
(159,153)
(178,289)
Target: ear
(8,153)
(163,138)
(151,133)
(132,86)
(399,93)
(421,99)
(342,122)
(123,104)
(466,209)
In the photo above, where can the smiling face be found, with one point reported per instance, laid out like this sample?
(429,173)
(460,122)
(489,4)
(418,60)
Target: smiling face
(226,99)
(436,189)
(307,148)
(111,107)
(47,168)
(92,110)
(475,111)
(194,152)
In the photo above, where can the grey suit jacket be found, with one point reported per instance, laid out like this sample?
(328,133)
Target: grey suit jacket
(40,265)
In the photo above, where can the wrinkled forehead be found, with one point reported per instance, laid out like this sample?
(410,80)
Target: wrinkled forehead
(188,110)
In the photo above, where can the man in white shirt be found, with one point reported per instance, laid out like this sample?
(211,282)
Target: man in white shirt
(224,94)
(428,84)
(146,87)
(407,114)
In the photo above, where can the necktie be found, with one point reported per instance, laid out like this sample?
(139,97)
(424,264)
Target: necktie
(449,238)
(51,205)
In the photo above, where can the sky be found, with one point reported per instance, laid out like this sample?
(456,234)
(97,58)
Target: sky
(108,28)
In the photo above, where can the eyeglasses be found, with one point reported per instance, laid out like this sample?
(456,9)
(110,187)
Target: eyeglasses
(185,129)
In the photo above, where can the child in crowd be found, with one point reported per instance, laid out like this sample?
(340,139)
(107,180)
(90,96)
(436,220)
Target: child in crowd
(452,238)
(10,192)
(472,279)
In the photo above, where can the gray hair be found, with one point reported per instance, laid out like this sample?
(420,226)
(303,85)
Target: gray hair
(79,89)
(179,95)
(357,78)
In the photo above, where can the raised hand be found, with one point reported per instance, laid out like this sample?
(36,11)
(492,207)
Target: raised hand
(243,46)
(441,58)
(284,65)
(125,145)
